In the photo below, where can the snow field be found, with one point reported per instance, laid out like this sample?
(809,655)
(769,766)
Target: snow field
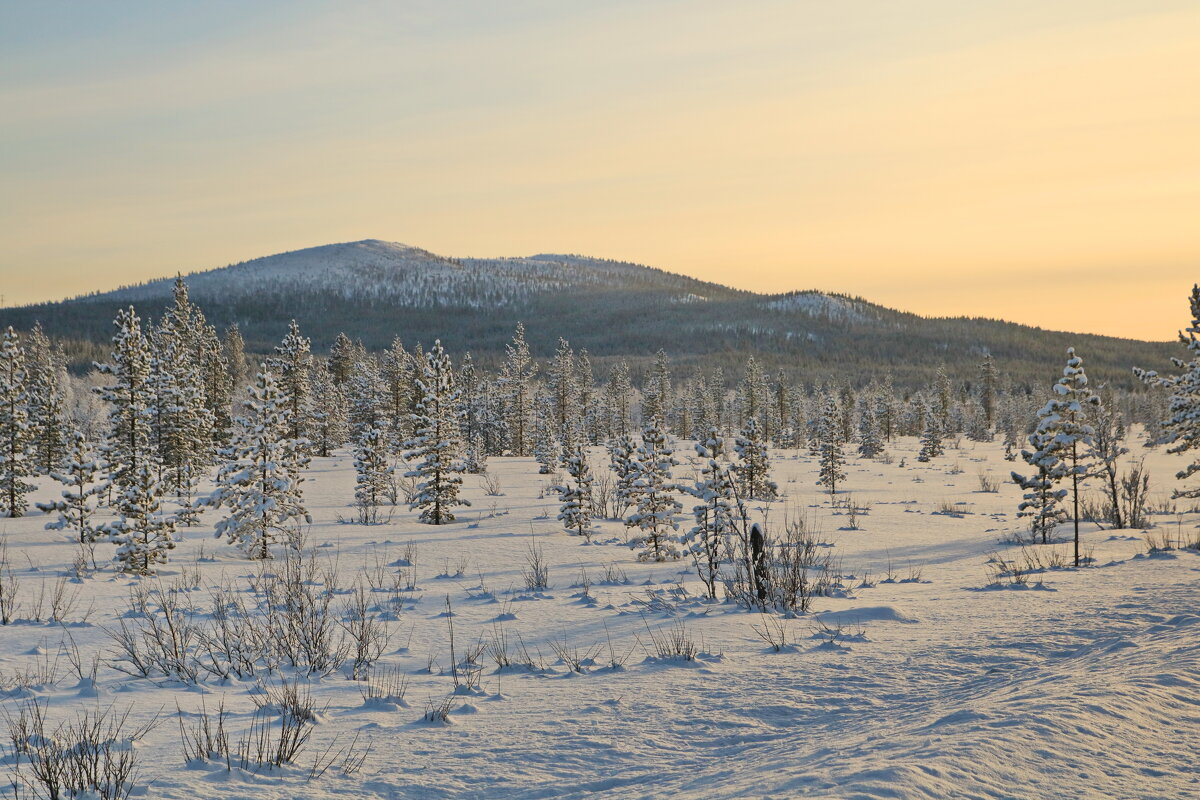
(923,682)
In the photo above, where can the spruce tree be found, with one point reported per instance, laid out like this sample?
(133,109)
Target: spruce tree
(341,359)
(989,381)
(656,394)
(327,414)
(655,506)
(219,383)
(830,441)
(143,533)
(870,442)
(369,402)
(234,351)
(1180,426)
(259,481)
(82,477)
(622,459)
(589,406)
(931,437)
(131,402)
(752,394)
(516,379)
(474,392)
(753,467)
(716,514)
(436,446)
(49,427)
(397,392)
(576,494)
(547,447)
(1065,419)
(181,422)
(943,392)
(15,442)
(371,467)
(1042,501)
(291,363)
(564,394)
(618,399)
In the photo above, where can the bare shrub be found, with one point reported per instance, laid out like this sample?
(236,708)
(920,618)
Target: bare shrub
(988,482)
(773,632)
(537,571)
(93,754)
(673,642)
(385,686)
(367,634)
(491,485)
(614,575)
(438,710)
(288,698)
(271,742)
(1135,494)
(576,659)
(789,574)
(604,496)
(465,674)
(500,647)
(615,660)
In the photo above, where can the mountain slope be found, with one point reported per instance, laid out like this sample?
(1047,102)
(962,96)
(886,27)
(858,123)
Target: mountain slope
(375,290)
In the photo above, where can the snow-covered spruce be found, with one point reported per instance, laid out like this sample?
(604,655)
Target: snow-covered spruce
(83,479)
(931,437)
(259,481)
(181,422)
(436,446)
(291,364)
(1064,423)
(655,507)
(1042,501)
(829,443)
(371,485)
(870,442)
(576,494)
(516,379)
(622,460)
(49,424)
(1180,428)
(753,465)
(15,438)
(708,541)
(143,533)
(328,423)
(131,402)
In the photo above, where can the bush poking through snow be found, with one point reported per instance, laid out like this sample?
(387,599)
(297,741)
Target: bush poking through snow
(537,570)
(385,685)
(91,754)
(438,710)
(773,631)
(673,642)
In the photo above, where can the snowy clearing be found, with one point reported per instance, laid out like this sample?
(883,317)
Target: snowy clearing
(920,680)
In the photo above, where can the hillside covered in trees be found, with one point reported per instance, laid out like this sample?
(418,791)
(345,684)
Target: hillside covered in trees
(375,291)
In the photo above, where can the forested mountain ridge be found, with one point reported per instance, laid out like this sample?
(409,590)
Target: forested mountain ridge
(375,290)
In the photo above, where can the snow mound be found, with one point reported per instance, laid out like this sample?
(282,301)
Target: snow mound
(852,616)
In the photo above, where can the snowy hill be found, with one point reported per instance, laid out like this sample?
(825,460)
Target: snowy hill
(408,276)
(375,290)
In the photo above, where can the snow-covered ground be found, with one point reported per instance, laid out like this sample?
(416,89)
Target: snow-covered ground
(1081,683)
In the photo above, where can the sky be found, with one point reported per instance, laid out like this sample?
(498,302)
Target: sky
(1031,161)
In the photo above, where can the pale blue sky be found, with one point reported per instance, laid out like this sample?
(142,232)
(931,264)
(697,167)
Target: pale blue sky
(931,155)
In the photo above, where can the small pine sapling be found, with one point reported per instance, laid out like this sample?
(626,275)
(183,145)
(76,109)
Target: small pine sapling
(82,477)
